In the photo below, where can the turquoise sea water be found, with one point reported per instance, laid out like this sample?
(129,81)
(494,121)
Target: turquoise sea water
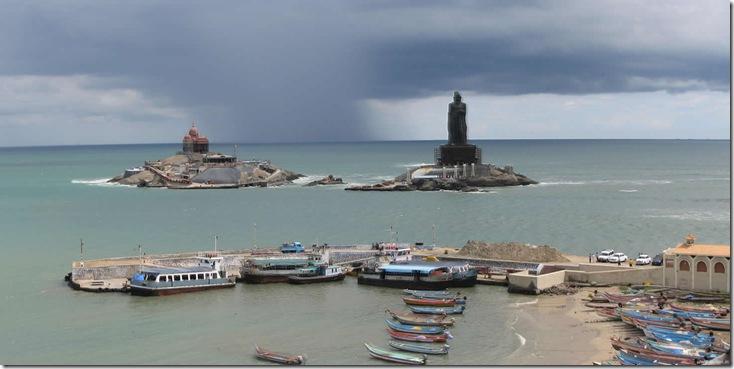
(630,195)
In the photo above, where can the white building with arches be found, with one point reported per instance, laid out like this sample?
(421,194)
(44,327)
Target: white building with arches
(694,266)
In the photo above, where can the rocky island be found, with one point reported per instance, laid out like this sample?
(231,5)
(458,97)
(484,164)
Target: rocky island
(195,167)
(458,165)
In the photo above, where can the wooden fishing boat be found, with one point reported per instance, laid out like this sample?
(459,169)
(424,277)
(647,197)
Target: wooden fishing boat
(644,316)
(395,357)
(435,320)
(430,302)
(413,337)
(715,324)
(280,358)
(687,314)
(608,313)
(642,351)
(421,329)
(602,305)
(698,298)
(441,294)
(628,358)
(704,309)
(682,337)
(424,349)
(675,349)
(437,310)
(641,324)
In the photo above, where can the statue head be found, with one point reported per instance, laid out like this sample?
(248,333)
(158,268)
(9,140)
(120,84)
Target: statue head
(457,97)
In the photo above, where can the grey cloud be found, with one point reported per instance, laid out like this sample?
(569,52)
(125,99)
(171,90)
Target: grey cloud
(294,71)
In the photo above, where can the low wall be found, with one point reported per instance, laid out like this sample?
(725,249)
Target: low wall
(617,276)
(492,264)
(601,267)
(524,282)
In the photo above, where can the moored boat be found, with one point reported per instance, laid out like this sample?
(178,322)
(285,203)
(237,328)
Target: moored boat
(158,281)
(395,357)
(639,349)
(431,302)
(292,248)
(414,337)
(441,294)
(324,273)
(281,358)
(675,349)
(278,268)
(435,320)
(421,329)
(420,275)
(457,309)
(424,349)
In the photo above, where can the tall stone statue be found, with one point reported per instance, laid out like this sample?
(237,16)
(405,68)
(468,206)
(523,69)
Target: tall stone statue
(457,121)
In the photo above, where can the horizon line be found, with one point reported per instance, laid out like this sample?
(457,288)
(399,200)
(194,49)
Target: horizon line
(369,141)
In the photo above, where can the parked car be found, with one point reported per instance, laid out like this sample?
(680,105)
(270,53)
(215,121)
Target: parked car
(604,255)
(657,260)
(643,259)
(618,257)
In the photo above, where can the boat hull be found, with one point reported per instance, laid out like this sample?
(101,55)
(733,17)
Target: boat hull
(264,278)
(316,279)
(375,280)
(146,291)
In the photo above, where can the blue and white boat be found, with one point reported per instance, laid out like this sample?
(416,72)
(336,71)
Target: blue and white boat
(421,329)
(156,281)
(420,275)
(457,309)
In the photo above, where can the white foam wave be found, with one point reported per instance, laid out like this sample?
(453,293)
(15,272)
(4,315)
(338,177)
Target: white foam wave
(629,182)
(533,302)
(628,191)
(413,165)
(522,339)
(308,179)
(102,182)
(694,215)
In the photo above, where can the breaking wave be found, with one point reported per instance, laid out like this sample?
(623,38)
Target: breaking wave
(518,304)
(693,215)
(632,182)
(102,182)
(629,191)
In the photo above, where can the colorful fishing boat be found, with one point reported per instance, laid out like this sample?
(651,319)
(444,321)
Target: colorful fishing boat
(280,358)
(422,329)
(628,358)
(608,313)
(395,357)
(715,324)
(699,298)
(703,309)
(644,316)
(458,309)
(435,320)
(641,324)
(413,337)
(636,348)
(698,340)
(424,349)
(441,294)
(431,302)
(687,314)
(675,349)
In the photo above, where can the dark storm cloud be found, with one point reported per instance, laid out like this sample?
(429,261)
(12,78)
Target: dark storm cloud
(293,71)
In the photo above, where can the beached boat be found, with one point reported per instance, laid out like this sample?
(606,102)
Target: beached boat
(458,309)
(324,273)
(715,324)
(435,320)
(699,298)
(637,348)
(421,329)
(628,358)
(157,281)
(413,337)
(645,316)
(395,357)
(424,349)
(675,349)
(641,324)
(420,275)
(687,314)
(699,340)
(442,294)
(431,302)
(703,309)
(608,313)
(281,358)
(279,267)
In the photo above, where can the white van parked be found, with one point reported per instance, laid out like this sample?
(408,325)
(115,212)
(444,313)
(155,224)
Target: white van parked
(604,256)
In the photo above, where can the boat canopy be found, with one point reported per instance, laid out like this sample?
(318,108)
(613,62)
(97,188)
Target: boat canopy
(410,268)
(166,270)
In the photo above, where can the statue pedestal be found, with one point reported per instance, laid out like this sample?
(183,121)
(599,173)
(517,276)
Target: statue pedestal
(458,154)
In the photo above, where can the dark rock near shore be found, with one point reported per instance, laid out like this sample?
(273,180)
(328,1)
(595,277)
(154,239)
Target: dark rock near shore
(465,178)
(328,180)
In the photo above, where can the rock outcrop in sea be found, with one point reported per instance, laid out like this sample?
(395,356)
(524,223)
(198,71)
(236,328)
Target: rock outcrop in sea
(326,181)
(210,170)
(467,178)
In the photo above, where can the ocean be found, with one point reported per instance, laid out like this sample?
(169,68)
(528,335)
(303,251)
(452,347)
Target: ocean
(630,195)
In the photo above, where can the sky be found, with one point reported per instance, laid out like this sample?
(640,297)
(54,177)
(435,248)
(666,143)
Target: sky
(114,72)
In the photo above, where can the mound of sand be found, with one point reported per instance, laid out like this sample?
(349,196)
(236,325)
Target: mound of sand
(512,251)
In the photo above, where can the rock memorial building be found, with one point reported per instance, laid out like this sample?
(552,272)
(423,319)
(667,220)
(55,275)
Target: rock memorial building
(195,143)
